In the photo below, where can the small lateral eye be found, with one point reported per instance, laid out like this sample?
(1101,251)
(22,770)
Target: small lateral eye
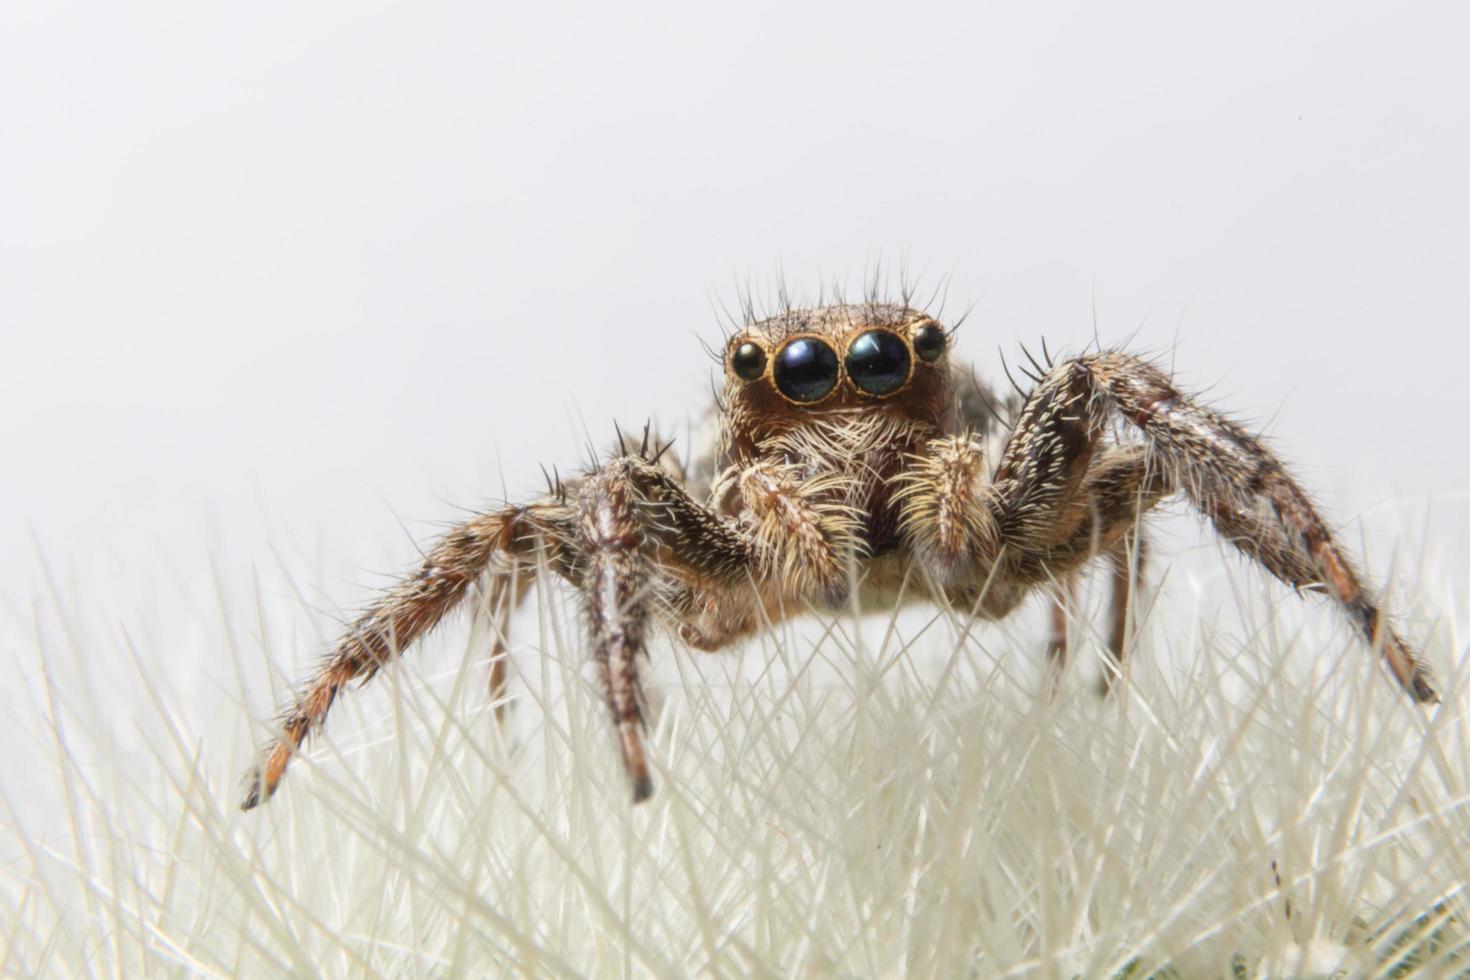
(806,369)
(929,341)
(748,361)
(878,362)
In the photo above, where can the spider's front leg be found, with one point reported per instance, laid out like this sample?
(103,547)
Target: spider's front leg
(1226,473)
(634,520)
(1119,486)
(646,546)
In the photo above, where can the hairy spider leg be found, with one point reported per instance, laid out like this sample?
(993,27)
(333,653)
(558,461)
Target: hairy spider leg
(1225,472)
(409,609)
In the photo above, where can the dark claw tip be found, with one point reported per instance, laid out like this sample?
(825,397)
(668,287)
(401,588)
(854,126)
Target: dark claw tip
(642,788)
(1422,691)
(251,797)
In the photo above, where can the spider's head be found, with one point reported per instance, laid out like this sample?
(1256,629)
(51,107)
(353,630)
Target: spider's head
(814,367)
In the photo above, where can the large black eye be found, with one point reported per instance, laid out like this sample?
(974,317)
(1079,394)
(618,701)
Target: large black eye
(878,362)
(749,361)
(929,341)
(806,370)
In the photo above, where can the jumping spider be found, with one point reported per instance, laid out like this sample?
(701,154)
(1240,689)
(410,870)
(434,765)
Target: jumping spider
(853,454)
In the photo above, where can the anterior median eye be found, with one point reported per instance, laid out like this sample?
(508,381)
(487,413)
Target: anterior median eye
(749,361)
(878,362)
(806,369)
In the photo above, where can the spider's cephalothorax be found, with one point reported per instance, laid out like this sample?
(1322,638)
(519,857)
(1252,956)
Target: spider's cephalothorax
(852,454)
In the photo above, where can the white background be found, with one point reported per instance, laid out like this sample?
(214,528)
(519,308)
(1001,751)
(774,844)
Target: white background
(280,274)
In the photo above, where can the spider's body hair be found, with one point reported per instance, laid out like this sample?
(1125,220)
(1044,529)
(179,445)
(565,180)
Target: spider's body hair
(903,475)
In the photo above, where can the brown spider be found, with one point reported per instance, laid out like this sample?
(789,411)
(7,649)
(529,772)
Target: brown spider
(853,455)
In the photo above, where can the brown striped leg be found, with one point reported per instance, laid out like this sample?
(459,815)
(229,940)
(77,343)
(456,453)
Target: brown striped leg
(1100,516)
(507,594)
(1121,486)
(1244,489)
(631,515)
(1310,563)
(1039,480)
(1059,532)
(409,609)
(616,602)
(1059,602)
(1125,562)
(646,544)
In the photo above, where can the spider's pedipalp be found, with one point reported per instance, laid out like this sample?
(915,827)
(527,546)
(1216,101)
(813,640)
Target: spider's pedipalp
(947,507)
(804,532)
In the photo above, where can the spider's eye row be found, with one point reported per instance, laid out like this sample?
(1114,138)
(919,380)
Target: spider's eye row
(929,341)
(878,362)
(806,369)
(748,361)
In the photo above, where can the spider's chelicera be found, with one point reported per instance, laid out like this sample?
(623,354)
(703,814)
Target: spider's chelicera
(853,455)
